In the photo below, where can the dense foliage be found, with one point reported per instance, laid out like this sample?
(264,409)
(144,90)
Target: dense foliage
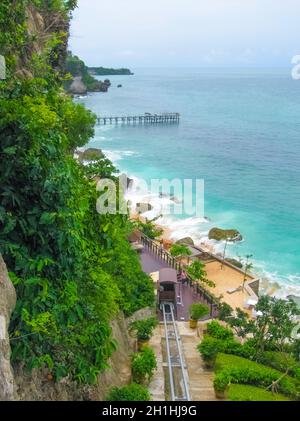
(274,328)
(76,67)
(180,250)
(239,370)
(132,392)
(143,365)
(107,71)
(148,228)
(198,311)
(197,273)
(143,329)
(73,269)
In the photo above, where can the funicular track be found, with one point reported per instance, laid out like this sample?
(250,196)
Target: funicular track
(177,372)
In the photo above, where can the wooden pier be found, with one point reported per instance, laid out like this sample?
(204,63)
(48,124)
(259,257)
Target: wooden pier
(147,118)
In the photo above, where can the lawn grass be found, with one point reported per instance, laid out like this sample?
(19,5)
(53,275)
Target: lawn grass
(242,392)
(246,372)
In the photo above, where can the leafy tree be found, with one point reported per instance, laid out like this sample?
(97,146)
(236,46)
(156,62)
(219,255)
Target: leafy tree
(180,250)
(225,311)
(272,328)
(149,228)
(198,273)
(275,324)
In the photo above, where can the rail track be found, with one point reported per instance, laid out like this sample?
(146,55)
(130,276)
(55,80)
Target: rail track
(177,372)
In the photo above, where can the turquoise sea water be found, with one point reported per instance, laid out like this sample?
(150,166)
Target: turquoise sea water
(240,132)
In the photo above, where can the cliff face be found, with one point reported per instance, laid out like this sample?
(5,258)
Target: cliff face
(40,385)
(7,304)
(37,386)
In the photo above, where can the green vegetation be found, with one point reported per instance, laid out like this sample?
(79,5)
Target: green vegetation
(73,269)
(143,365)
(272,329)
(223,235)
(241,392)
(268,357)
(243,371)
(198,310)
(149,228)
(144,328)
(133,392)
(76,67)
(209,348)
(104,71)
(180,250)
(198,273)
(282,361)
(216,330)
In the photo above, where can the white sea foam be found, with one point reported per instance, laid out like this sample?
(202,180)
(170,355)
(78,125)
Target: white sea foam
(198,228)
(116,156)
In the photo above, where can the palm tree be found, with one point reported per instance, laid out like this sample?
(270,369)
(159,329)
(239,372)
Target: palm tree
(248,266)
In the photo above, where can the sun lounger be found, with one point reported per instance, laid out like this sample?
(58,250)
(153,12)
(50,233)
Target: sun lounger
(232,290)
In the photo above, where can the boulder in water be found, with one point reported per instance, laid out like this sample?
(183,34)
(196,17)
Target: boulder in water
(143,207)
(186,240)
(222,234)
(234,262)
(90,154)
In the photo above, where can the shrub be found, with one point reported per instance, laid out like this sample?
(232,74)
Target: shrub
(144,328)
(209,348)
(198,310)
(216,330)
(143,365)
(132,392)
(221,381)
(225,311)
(281,361)
(245,371)
(241,392)
(180,250)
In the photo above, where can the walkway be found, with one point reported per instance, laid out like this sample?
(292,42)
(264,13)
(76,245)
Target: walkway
(150,262)
(157,384)
(200,378)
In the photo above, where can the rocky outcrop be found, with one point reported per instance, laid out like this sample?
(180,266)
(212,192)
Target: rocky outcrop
(7,304)
(37,386)
(77,86)
(186,240)
(143,207)
(90,154)
(234,262)
(224,234)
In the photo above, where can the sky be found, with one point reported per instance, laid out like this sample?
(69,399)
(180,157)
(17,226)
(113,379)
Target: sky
(186,33)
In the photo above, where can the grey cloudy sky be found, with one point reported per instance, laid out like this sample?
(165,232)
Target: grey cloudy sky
(137,33)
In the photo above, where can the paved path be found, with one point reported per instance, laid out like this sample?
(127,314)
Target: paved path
(150,262)
(200,378)
(157,384)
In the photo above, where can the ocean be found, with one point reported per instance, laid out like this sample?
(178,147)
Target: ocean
(240,132)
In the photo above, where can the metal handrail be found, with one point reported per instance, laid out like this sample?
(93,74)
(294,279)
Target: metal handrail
(171,261)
